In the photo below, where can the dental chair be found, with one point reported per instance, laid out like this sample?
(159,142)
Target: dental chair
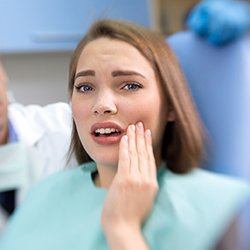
(219,79)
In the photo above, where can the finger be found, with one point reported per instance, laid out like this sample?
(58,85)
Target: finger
(149,146)
(124,161)
(141,149)
(132,150)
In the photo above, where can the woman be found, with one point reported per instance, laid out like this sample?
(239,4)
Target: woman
(136,130)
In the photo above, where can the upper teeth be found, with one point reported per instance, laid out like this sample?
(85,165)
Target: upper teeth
(105,130)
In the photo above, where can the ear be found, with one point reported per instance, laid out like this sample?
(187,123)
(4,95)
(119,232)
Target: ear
(171,116)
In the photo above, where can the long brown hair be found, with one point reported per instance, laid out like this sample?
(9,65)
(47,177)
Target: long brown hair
(183,142)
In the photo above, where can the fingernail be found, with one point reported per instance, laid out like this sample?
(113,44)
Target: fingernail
(139,125)
(148,133)
(132,127)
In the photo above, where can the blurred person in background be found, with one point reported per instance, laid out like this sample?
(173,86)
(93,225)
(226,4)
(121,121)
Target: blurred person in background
(33,143)
(138,185)
(213,17)
(220,21)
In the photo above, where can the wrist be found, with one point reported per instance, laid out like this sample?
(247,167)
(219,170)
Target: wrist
(121,229)
(125,236)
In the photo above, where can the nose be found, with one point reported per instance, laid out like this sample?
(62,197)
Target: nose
(105,104)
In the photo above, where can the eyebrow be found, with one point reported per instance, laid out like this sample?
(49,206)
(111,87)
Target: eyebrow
(126,73)
(85,73)
(114,73)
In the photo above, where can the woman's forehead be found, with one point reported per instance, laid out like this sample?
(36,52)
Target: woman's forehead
(107,44)
(112,52)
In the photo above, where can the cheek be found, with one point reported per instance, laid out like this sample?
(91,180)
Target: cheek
(80,112)
(146,108)
(151,112)
(79,109)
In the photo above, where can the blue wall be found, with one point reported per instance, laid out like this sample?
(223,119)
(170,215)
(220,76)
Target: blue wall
(57,25)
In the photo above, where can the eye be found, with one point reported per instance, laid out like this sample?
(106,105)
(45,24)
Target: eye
(132,86)
(84,88)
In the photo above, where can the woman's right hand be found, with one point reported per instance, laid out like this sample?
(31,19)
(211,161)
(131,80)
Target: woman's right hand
(131,195)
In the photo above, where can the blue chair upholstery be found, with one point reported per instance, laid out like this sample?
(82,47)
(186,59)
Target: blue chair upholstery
(219,79)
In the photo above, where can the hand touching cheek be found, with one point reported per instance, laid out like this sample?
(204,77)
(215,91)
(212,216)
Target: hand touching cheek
(131,195)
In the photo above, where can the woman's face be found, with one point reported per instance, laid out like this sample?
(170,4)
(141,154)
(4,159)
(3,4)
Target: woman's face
(115,86)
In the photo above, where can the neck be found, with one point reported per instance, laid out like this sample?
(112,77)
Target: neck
(105,176)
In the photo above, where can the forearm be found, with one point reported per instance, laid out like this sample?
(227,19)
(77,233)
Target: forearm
(125,238)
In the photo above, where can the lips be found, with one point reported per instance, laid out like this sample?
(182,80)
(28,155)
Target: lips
(107,139)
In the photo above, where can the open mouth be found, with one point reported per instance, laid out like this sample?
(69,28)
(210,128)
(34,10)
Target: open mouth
(106,133)
(107,138)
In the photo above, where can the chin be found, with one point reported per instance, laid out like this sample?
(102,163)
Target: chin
(104,155)
(106,160)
